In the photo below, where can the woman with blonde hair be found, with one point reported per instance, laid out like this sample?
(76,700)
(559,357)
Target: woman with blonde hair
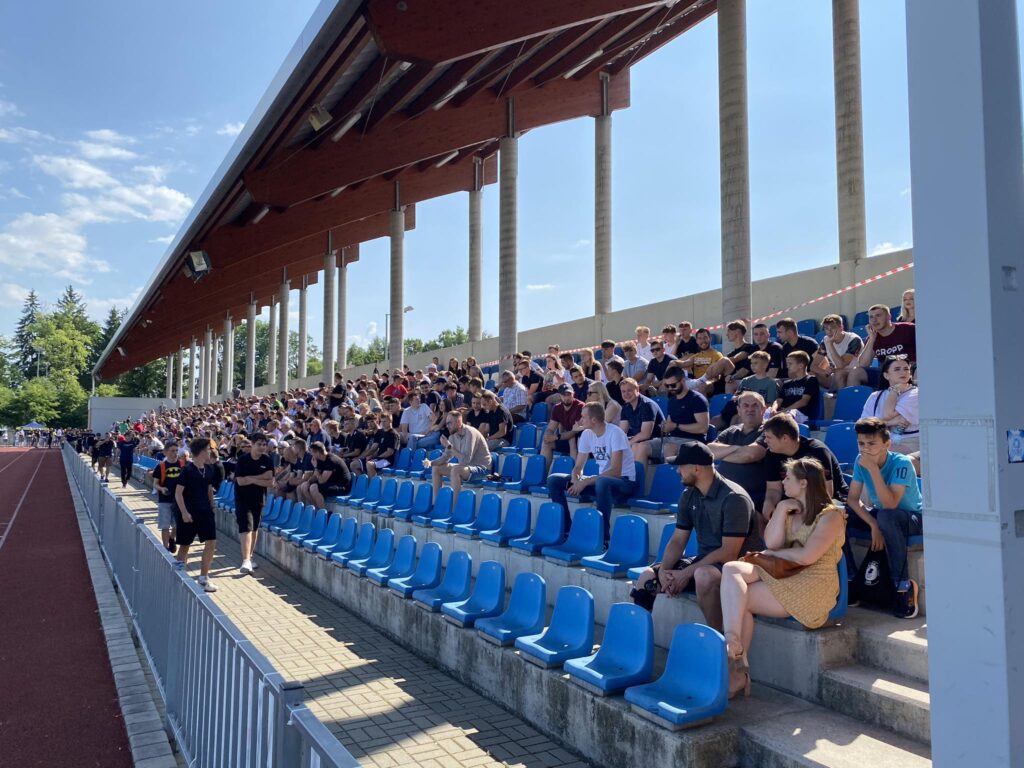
(908,307)
(591,368)
(598,393)
(797,574)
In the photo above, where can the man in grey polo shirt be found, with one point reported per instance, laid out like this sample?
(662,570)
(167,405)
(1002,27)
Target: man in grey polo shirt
(722,515)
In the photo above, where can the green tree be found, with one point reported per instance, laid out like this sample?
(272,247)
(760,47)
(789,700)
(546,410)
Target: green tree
(110,325)
(10,373)
(72,401)
(64,347)
(25,354)
(148,380)
(37,399)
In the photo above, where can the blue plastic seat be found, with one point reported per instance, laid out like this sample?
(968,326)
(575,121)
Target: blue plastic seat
(344,541)
(372,496)
(271,511)
(861,318)
(560,465)
(486,599)
(666,488)
(316,530)
(403,564)
(841,439)
(586,537)
(441,510)
(570,634)
(426,576)
(850,404)
(454,586)
(415,463)
(526,440)
(332,525)
(379,557)
(490,385)
(289,517)
(716,404)
(362,548)
(401,462)
(302,525)
(388,494)
(626,549)
(357,493)
(511,469)
(527,607)
(420,504)
(532,475)
(539,413)
(515,525)
(807,327)
(804,430)
(462,514)
(695,684)
(549,531)
(626,655)
(402,500)
(666,535)
(418,471)
(662,402)
(488,518)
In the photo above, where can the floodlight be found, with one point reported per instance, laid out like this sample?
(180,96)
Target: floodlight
(319,117)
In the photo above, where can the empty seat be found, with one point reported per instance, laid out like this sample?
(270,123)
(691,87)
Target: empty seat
(420,504)
(415,463)
(532,475)
(539,413)
(289,517)
(417,471)
(372,496)
(442,508)
(488,518)
(841,439)
(302,525)
(515,525)
(850,404)
(272,511)
(526,440)
(586,537)
(666,488)
(570,634)
(402,500)
(329,535)
(695,684)
(626,549)
(511,469)
(401,462)
(716,404)
(357,493)
(403,564)
(549,531)
(626,655)
(426,576)
(807,327)
(387,498)
(454,586)
(486,599)
(527,607)
(379,557)
(345,540)
(362,548)
(462,514)
(315,531)
(662,402)
(666,535)
(560,465)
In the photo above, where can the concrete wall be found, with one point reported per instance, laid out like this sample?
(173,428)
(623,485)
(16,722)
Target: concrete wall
(104,411)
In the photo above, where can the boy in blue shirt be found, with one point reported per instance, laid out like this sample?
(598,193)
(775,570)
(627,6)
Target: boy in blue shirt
(895,515)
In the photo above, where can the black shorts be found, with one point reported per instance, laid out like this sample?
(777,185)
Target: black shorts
(248,518)
(562,446)
(203,526)
(330,489)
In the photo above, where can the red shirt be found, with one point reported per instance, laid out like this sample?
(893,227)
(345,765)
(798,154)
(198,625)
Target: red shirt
(396,390)
(902,341)
(566,417)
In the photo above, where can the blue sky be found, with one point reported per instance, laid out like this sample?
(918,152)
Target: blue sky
(114,116)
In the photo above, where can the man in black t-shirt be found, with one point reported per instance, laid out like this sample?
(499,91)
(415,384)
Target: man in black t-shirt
(740,451)
(165,480)
(194,499)
(475,416)
(800,393)
(104,456)
(331,476)
(499,422)
(254,474)
(792,342)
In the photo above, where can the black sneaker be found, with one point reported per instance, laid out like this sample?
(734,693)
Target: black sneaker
(906,601)
(172,545)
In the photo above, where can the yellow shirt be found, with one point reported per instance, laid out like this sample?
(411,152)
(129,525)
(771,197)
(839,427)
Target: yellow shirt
(704,360)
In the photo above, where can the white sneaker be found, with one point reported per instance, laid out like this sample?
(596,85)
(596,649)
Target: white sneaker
(246,566)
(206,584)
(253,565)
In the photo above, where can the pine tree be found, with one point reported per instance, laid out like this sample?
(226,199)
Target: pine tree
(25,354)
(71,307)
(113,321)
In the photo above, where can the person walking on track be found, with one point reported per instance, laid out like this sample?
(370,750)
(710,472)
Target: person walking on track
(193,497)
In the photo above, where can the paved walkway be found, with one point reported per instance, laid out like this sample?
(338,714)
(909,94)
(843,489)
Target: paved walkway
(387,706)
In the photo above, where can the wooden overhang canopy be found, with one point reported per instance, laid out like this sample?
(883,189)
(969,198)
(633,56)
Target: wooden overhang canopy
(380,102)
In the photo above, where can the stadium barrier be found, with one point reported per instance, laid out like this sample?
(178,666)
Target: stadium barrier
(226,704)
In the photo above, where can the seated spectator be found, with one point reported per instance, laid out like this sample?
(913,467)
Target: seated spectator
(591,368)
(397,388)
(531,380)
(895,512)
(642,343)
(895,403)
(498,424)
(414,421)
(514,396)
(885,338)
(607,352)
(615,480)
(331,476)
(454,369)
(908,307)
(734,366)
(837,354)
(641,420)
(437,429)
(793,342)
(580,383)
(381,447)
(475,416)
(687,418)
(598,393)
(668,338)
(634,366)
(809,531)
(686,344)
(760,380)
(721,515)
(800,393)
(654,380)
(451,392)
(740,450)
(567,361)
(613,372)
(703,366)
(554,377)
(783,440)
(561,433)
(465,444)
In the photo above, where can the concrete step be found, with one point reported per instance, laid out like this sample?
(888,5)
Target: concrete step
(891,644)
(885,699)
(818,737)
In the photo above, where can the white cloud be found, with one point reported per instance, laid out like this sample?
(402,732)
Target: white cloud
(49,244)
(92,151)
(9,109)
(109,136)
(74,172)
(12,193)
(230,129)
(581,243)
(540,287)
(17,134)
(153,173)
(888,247)
(100,307)
(371,329)
(12,294)
(165,240)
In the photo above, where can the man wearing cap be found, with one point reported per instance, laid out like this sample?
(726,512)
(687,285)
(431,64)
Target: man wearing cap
(722,515)
(560,434)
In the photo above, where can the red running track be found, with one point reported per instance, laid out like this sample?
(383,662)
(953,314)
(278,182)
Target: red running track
(58,703)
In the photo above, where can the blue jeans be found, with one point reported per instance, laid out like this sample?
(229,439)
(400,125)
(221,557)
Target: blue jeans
(897,526)
(605,492)
(428,441)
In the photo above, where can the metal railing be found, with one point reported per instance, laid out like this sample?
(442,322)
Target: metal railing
(226,704)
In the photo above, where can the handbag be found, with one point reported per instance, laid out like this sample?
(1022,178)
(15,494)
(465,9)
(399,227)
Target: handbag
(775,567)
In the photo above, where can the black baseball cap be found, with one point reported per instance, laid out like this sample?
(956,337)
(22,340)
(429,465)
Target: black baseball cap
(694,453)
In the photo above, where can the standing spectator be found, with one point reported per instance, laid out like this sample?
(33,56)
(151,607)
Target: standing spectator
(126,446)
(514,396)
(165,479)
(836,357)
(885,338)
(687,419)
(560,435)
(740,450)
(194,498)
(895,403)
(466,445)
(641,420)
(793,342)
(254,474)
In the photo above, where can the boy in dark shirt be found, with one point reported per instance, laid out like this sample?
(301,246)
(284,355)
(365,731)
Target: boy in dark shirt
(801,392)
(254,474)
(331,476)
(165,480)
(126,455)
(194,500)
(793,342)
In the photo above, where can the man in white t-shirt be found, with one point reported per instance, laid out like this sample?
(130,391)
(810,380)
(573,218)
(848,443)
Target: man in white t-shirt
(415,421)
(836,359)
(616,477)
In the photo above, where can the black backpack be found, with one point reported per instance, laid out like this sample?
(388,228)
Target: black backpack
(873,585)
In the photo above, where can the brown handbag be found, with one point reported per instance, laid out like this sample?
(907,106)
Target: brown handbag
(774,566)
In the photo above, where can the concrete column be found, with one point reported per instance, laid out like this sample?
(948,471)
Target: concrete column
(209,356)
(735,166)
(508,329)
(228,377)
(181,376)
(193,366)
(476,194)
(396,339)
(602,214)
(966,170)
(282,337)
(329,306)
(170,376)
(342,296)
(302,329)
(250,348)
(272,344)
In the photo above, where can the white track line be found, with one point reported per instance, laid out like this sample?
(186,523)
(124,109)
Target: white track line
(23,455)
(17,509)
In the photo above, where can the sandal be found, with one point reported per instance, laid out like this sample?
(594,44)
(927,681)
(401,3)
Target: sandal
(739,668)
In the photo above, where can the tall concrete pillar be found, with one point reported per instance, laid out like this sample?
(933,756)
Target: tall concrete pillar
(272,344)
(181,376)
(250,348)
(508,329)
(475,324)
(282,337)
(329,306)
(193,366)
(966,164)
(229,357)
(209,357)
(396,339)
(603,207)
(302,351)
(170,376)
(342,299)
(735,164)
